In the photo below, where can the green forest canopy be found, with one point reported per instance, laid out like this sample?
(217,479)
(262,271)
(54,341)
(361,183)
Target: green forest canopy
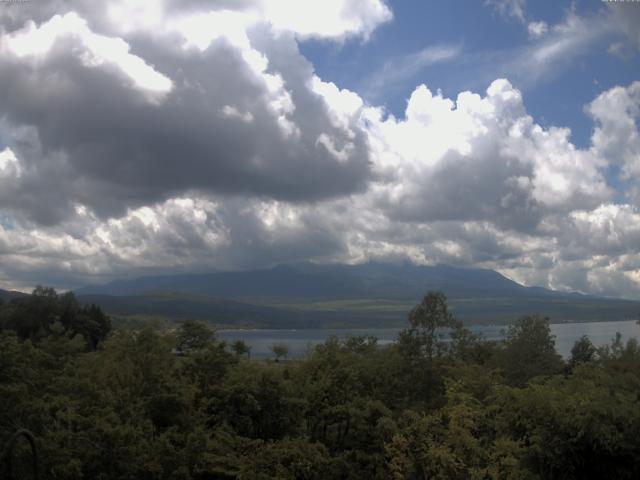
(160,404)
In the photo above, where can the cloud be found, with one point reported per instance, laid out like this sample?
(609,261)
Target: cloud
(556,48)
(156,137)
(627,18)
(398,70)
(330,19)
(180,234)
(98,50)
(550,51)
(509,8)
(9,166)
(596,252)
(498,191)
(553,48)
(479,158)
(327,19)
(616,137)
(537,29)
(228,111)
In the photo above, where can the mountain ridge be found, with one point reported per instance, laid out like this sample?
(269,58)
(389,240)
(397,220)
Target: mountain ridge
(8,295)
(309,280)
(371,294)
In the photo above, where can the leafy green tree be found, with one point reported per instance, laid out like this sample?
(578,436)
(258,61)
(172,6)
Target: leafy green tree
(92,323)
(240,348)
(193,335)
(428,321)
(620,358)
(255,401)
(445,444)
(280,350)
(288,459)
(583,351)
(470,348)
(207,369)
(361,344)
(423,348)
(583,425)
(33,316)
(69,309)
(529,350)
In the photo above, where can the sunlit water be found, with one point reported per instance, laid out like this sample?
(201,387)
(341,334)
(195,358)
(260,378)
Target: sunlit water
(301,341)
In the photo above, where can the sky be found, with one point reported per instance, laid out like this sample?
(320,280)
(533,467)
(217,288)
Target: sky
(141,138)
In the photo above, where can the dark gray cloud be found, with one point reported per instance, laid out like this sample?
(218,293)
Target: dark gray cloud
(215,131)
(451,191)
(627,15)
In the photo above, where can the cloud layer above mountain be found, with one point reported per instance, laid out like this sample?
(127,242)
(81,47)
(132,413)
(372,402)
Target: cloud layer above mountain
(142,137)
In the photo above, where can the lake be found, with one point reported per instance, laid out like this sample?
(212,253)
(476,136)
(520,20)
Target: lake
(300,341)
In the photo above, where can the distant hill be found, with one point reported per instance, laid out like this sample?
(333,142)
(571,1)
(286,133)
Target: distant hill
(231,313)
(10,294)
(369,280)
(371,294)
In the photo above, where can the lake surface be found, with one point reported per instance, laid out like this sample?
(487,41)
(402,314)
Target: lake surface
(301,341)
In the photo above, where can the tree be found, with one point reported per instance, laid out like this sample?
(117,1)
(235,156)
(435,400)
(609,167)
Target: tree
(240,347)
(193,335)
(69,309)
(45,313)
(207,368)
(288,459)
(5,314)
(33,316)
(92,323)
(361,344)
(529,350)
(427,319)
(583,351)
(582,426)
(280,350)
(444,444)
